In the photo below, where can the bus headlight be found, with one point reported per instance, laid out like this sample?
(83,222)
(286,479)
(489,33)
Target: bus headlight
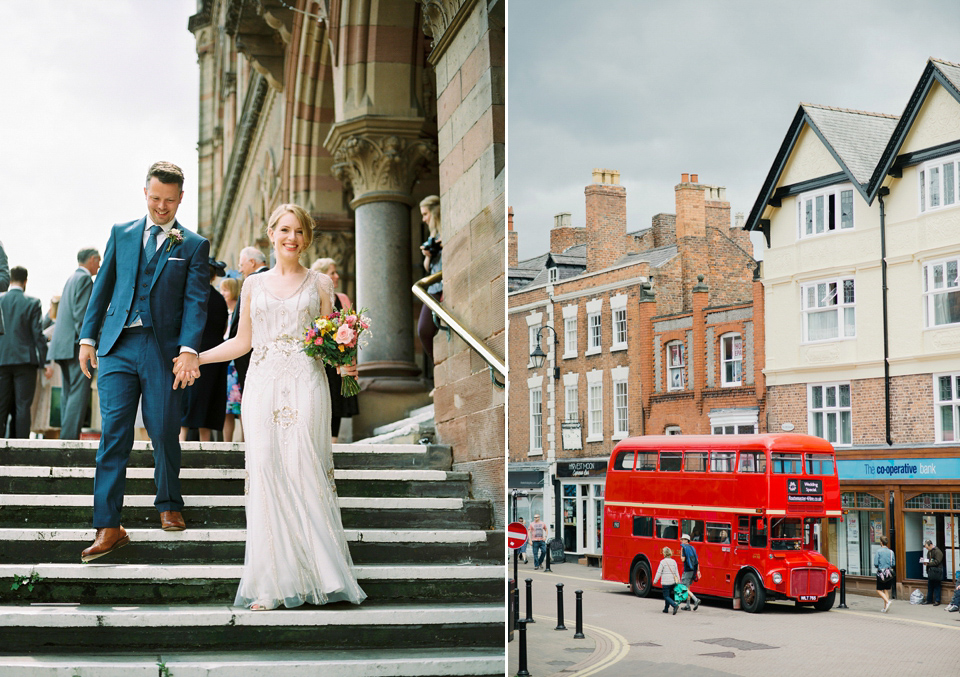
(834,578)
(777,578)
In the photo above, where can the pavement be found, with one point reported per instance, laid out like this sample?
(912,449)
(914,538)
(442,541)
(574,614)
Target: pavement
(625,635)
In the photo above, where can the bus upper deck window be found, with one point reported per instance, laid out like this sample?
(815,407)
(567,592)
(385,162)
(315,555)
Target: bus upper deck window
(647,460)
(722,461)
(624,461)
(752,461)
(819,464)
(785,463)
(671,461)
(695,461)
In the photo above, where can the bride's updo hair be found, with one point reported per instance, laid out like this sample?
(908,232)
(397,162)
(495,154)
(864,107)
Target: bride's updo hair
(306,221)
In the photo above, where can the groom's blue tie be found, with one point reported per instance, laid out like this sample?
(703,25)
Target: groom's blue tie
(151,244)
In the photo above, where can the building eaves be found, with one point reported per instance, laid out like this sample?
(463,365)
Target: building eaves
(936,70)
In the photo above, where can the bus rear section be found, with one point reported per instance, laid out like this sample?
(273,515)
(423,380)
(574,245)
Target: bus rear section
(751,504)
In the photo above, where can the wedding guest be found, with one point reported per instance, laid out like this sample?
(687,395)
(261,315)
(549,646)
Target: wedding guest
(23,349)
(230,290)
(47,378)
(65,347)
(205,402)
(4,278)
(341,407)
(252,262)
(432,251)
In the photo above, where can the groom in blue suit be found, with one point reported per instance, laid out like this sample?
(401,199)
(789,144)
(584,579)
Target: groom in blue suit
(142,329)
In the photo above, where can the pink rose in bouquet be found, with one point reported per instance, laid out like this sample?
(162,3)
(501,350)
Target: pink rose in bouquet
(336,339)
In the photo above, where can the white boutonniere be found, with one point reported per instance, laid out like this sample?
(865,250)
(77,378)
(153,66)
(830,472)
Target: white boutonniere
(174,236)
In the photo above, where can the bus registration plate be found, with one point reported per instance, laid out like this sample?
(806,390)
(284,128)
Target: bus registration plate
(808,598)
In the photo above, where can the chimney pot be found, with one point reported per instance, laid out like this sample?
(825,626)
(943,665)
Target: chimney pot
(693,178)
(684,178)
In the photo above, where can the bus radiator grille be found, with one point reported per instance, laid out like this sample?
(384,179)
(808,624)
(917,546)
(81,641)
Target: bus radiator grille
(808,582)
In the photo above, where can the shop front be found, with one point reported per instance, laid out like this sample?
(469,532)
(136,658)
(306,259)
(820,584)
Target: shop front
(908,499)
(525,494)
(580,508)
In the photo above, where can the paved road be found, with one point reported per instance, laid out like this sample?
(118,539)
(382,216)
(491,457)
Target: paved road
(626,635)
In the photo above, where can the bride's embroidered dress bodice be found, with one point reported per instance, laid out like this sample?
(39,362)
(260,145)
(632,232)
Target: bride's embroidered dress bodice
(296,551)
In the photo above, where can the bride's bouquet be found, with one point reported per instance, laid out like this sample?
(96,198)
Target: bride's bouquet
(336,339)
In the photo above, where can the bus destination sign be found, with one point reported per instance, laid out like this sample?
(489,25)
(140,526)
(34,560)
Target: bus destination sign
(804,490)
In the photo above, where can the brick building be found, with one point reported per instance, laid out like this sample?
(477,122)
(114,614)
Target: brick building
(861,214)
(648,332)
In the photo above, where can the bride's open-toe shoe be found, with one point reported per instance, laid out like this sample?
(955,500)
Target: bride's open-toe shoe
(259,607)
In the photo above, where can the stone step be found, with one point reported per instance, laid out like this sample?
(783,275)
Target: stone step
(332,663)
(58,628)
(38,479)
(216,583)
(226,546)
(81,453)
(54,511)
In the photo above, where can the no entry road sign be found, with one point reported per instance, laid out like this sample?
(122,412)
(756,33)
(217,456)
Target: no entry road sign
(516,535)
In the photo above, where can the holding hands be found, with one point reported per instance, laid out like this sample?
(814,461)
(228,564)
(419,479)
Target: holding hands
(186,368)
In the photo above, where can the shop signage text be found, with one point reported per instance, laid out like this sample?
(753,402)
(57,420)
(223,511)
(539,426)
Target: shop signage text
(899,468)
(581,469)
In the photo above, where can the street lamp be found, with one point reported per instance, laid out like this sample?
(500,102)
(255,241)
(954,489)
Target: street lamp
(538,357)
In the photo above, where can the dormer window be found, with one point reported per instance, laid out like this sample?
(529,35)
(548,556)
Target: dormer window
(552,275)
(825,211)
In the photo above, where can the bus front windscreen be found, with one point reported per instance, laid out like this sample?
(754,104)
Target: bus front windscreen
(786,533)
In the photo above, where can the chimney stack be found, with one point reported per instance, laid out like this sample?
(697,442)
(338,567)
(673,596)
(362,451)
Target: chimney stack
(512,243)
(606,226)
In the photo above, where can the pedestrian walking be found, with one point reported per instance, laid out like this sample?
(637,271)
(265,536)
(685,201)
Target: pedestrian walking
(65,347)
(691,570)
(522,550)
(669,575)
(934,562)
(538,540)
(884,561)
(23,350)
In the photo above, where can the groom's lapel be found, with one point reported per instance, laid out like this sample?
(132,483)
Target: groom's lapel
(133,243)
(165,251)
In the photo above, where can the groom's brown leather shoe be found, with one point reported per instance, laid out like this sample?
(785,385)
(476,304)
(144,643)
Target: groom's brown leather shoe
(172,521)
(108,539)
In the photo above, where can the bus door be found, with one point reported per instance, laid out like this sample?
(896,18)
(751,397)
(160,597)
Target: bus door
(752,541)
(712,539)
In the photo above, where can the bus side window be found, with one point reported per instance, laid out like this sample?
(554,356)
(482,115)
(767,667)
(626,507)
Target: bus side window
(718,532)
(722,461)
(647,460)
(667,528)
(695,461)
(693,528)
(752,461)
(624,461)
(671,461)
(643,526)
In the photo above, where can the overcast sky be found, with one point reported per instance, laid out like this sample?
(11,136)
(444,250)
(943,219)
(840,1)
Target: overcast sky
(656,89)
(95,92)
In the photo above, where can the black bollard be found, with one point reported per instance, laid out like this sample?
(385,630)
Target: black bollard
(548,558)
(522,668)
(529,618)
(843,589)
(560,625)
(516,605)
(579,633)
(516,556)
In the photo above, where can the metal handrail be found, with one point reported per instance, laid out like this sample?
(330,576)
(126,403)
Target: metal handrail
(420,291)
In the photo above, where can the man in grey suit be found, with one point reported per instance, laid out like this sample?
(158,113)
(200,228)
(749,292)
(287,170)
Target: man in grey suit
(65,346)
(23,349)
(4,278)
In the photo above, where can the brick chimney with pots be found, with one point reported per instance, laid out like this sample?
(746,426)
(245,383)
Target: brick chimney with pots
(512,244)
(691,234)
(606,225)
(564,234)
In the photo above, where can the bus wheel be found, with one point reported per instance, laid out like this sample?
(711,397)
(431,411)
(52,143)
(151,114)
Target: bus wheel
(826,603)
(752,594)
(640,579)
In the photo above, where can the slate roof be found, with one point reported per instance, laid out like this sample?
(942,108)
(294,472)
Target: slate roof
(856,137)
(951,71)
(655,257)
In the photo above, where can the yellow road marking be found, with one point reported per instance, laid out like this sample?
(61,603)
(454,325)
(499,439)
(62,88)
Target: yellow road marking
(577,578)
(619,651)
(898,618)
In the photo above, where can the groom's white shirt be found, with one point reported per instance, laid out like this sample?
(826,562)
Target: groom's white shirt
(148,224)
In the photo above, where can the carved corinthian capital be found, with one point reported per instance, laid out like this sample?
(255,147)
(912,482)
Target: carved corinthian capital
(379,164)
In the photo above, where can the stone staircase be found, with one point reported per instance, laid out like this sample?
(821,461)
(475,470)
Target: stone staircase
(426,555)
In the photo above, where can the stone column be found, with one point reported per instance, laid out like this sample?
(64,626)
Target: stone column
(380,158)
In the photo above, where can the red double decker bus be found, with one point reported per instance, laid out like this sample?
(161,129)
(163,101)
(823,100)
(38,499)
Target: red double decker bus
(750,503)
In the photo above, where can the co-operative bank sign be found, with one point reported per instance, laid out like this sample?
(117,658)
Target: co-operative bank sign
(899,468)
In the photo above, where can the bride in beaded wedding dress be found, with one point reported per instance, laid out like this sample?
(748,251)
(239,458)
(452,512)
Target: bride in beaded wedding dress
(296,551)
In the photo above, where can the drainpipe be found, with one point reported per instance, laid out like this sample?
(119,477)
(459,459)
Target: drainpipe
(883,192)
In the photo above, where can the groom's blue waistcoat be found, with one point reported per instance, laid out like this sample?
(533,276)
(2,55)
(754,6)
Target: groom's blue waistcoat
(177,278)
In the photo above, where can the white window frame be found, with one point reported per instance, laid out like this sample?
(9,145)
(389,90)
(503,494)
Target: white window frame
(817,292)
(836,408)
(594,327)
(672,430)
(940,404)
(734,337)
(933,174)
(621,402)
(949,284)
(535,383)
(552,276)
(533,326)
(816,206)
(571,386)
(595,406)
(742,421)
(618,322)
(536,420)
(672,366)
(569,332)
